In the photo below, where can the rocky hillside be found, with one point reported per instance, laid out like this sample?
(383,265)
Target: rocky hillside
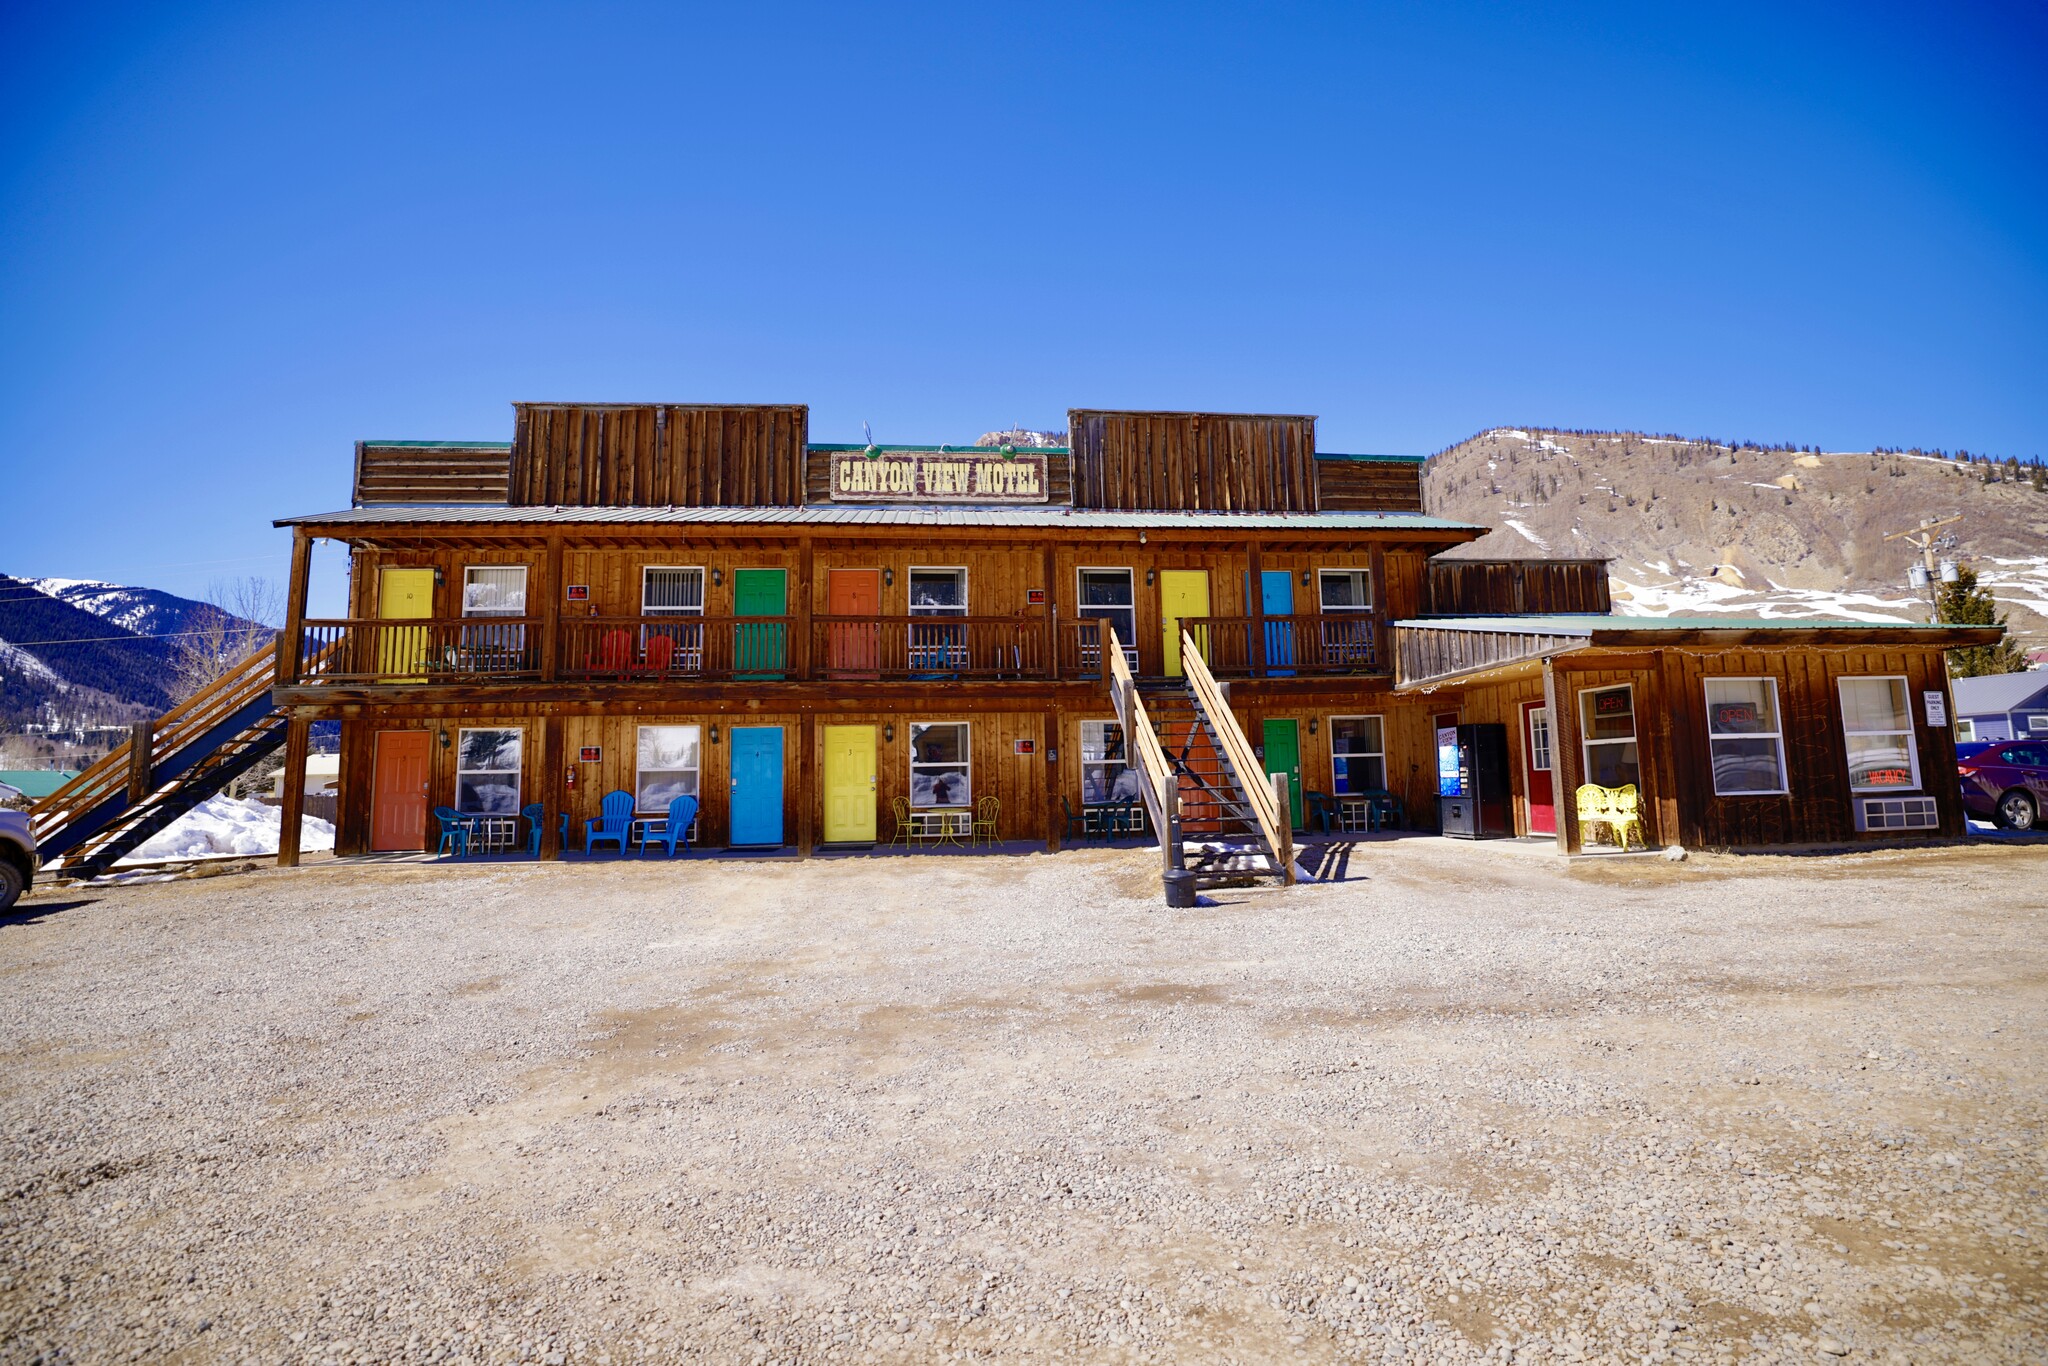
(1698,526)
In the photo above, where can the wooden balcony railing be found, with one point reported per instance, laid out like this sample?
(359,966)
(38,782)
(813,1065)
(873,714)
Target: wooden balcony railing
(850,649)
(1319,643)
(433,650)
(934,647)
(644,649)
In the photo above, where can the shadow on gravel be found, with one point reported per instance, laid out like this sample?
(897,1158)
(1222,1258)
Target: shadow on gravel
(28,913)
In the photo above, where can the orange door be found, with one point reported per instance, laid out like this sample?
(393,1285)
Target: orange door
(854,649)
(398,790)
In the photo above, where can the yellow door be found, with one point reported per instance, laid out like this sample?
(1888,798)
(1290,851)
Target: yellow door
(849,784)
(1182,593)
(403,595)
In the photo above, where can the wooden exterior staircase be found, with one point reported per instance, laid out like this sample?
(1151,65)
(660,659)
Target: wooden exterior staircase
(1200,780)
(169,766)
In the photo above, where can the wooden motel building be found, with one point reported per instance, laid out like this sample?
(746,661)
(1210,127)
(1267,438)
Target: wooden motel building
(823,641)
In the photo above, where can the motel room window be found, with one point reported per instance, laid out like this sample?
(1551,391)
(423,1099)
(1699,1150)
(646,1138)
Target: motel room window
(665,766)
(1608,724)
(938,593)
(1106,774)
(494,590)
(939,764)
(1358,754)
(487,771)
(1108,593)
(1346,590)
(1539,740)
(671,591)
(1877,724)
(1745,739)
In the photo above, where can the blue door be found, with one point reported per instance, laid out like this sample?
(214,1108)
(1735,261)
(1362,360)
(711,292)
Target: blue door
(756,785)
(1276,595)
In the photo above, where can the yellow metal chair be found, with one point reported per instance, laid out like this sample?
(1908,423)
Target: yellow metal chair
(908,831)
(1617,808)
(987,812)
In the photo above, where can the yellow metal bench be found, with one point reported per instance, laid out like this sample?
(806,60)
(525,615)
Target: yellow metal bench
(1618,808)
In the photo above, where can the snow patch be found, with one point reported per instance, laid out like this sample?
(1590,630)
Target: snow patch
(1526,534)
(225,825)
(20,660)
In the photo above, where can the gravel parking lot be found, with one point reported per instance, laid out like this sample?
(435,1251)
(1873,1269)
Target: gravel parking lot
(1470,1105)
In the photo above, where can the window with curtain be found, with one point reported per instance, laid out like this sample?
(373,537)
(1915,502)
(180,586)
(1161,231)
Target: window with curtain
(1358,754)
(487,771)
(1106,775)
(1744,737)
(671,591)
(1346,590)
(939,764)
(1877,728)
(665,766)
(494,590)
(1108,593)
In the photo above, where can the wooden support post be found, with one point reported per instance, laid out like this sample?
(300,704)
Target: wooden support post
(807,773)
(292,812)
(1382,608)
(806,591)
(1055,815)
(1564,760)
(141,761)
(553,787)
(1283,799)
(552,589)
(1255,590)
(293,639)
(1052,619)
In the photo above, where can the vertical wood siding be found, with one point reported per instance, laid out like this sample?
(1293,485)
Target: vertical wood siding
(658,455)
(1223,462)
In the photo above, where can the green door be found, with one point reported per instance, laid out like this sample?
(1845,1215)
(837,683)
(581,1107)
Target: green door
(760,648)
(1283,755)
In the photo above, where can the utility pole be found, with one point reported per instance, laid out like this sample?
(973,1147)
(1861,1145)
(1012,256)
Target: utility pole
(1923,539)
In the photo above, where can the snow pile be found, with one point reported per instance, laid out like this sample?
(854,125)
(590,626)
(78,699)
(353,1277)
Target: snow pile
(223,825)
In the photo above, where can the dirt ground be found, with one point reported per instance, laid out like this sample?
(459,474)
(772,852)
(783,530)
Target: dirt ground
(1469,1105)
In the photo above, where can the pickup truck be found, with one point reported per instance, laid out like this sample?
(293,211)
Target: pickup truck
(17,857)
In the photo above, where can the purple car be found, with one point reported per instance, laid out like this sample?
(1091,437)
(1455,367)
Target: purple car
(2005,781)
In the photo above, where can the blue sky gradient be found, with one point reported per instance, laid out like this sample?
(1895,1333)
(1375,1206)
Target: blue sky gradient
(237,237)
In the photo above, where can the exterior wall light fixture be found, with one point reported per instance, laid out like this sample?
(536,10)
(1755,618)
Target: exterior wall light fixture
(444,737)
(888,578)
(717,578)
(888,732)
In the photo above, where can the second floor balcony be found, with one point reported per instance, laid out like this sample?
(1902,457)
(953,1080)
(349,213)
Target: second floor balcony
(683,649)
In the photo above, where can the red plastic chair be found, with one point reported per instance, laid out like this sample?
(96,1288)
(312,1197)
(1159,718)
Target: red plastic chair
(615,651)
(661,653)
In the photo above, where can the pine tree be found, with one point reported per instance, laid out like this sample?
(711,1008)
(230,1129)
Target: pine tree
(1963,603)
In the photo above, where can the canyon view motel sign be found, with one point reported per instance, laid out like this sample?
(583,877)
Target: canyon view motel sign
(970,476)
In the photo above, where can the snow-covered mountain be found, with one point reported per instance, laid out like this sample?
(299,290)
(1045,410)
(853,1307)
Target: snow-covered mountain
(145,611)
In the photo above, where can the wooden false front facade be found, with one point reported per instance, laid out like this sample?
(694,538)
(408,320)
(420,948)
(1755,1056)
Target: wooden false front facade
(659,598)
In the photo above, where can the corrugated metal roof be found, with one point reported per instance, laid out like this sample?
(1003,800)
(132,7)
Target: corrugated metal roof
(1386,459)
(459,515)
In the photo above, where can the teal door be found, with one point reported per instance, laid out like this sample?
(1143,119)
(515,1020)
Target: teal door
(1283,755)
(756,785)
(1276,596)
(760,649)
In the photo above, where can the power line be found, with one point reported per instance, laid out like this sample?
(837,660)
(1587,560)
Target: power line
(135,635)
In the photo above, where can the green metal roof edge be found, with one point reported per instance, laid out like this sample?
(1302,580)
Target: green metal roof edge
(446,445)
(1377,459)
(950,450)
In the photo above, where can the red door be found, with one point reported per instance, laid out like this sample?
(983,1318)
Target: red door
(1536,759)
(854,646)
(398,790)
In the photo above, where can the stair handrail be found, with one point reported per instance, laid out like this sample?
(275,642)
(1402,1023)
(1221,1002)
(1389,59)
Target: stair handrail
(196,715)
(1245,767)
(1155,774)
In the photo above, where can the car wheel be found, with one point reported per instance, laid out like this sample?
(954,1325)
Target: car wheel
(11,883)
(2016,811)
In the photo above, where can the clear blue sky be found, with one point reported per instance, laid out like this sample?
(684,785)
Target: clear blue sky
(235,238)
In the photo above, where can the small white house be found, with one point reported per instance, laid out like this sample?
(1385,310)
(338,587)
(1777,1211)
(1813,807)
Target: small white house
(2001,706)
(323,774)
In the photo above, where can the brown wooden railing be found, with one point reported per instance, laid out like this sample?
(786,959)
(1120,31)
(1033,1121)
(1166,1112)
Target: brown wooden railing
(650,649)
(1318,643)
(426,650)
(1080,647)
(1245,767)
(933,647)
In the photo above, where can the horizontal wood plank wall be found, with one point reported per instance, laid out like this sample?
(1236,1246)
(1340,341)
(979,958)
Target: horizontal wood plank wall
(1369,485)
(414,473)
(1514,587)
(1221,462)
(1059,475)
(658,455)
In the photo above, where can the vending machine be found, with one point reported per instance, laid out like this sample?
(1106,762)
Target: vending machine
(1472,782)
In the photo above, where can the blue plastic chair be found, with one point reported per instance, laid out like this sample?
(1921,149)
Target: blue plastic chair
(454,831)
(613,825)
(674,830)
(533,812)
